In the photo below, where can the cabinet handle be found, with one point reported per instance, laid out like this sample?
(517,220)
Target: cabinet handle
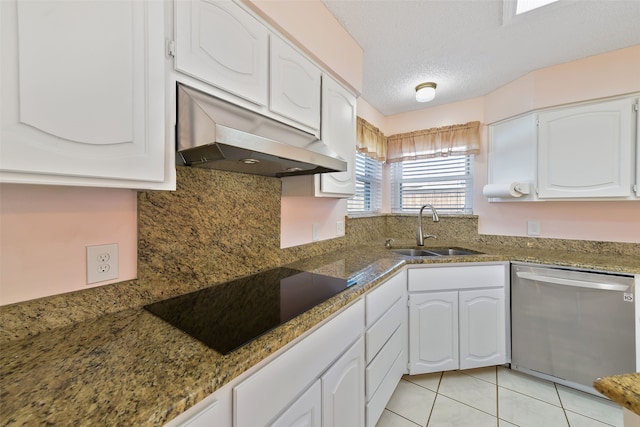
(571,282)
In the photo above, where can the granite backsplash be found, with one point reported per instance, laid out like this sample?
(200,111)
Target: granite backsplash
(220,225)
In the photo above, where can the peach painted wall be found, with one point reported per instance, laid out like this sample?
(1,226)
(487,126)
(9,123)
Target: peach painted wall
(370,114)
(615,73)
(442,115)
(298,214)
(44,231)
(609,74)
(599,76)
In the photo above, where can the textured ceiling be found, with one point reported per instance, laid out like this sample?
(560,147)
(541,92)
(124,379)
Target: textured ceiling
(465,47)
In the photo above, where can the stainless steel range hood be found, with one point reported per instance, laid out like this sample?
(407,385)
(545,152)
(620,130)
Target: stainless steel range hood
(212,133)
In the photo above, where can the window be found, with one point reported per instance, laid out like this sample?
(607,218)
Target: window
(444,182)
(367,197)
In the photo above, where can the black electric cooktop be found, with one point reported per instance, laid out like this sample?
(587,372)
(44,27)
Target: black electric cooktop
(230,315)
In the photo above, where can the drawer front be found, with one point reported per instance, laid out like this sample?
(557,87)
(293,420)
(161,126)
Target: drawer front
(382,298)
(381,331)
(458,277)
(381,397)
(257,401)
(382,363)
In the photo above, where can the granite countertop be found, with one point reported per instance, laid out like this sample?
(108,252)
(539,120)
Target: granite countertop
(622,389)
(132,368)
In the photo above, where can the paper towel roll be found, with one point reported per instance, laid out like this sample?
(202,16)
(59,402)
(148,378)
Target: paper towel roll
(515,189)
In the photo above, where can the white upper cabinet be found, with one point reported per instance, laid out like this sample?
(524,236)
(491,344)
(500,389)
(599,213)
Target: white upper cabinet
(512,155)
(221,44)
(295,85)
(339,133)
(83,93)
(587,151)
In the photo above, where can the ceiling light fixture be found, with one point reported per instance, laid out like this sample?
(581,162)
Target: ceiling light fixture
(425,92)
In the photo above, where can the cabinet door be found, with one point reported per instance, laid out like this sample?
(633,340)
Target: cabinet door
(586,151)
(84,96)
(339,133)
(343,390)
(433,332)
(305,411)
(260,398)
(482,328)
(220,43)
(295,85)
(213,410)
(512,153)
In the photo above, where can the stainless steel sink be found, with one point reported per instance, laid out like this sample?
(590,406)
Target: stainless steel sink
(435,252)
(453,251)
(414,252)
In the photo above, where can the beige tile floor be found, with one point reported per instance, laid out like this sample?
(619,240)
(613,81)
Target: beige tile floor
(494,396)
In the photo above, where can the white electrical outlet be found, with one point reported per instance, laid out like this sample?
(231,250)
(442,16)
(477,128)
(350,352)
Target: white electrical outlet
(315,232)
(340,228)
(102,263)
(533,228)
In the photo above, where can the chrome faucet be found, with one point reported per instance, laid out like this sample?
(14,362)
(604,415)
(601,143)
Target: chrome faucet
(419,236)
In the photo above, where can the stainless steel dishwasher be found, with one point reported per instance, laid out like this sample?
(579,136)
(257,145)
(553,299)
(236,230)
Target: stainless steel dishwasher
(571,326)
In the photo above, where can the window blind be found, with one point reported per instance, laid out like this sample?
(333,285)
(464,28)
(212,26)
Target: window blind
(444,182)
(367,197)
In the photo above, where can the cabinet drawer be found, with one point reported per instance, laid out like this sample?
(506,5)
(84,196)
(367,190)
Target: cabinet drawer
(382,363)
(262,396)
(381,397)
(458,277)
(384,297)
(381,331)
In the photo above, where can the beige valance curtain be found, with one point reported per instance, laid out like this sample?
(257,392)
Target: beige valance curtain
(443,141)
(370,140)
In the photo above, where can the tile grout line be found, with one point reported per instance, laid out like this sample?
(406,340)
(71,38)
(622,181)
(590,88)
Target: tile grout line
(402,416)
(433,405)
(564,411)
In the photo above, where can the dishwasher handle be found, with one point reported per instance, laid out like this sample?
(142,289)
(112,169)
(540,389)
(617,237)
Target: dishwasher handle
(572,282)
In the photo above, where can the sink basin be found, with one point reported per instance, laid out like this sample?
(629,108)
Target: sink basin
(452,251)
(414,252)
(434,252)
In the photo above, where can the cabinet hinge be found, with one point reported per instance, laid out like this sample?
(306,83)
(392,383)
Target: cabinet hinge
(634,188)
(171,48)
(635,107)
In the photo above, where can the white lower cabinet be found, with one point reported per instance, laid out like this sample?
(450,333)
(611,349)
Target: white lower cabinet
(457,317)
(343,389)
(433,323)
(386,343)
(306,411)
(213,410)
(482,328)
(333,355)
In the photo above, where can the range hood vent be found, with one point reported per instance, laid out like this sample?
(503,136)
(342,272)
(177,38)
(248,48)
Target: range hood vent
(212,133)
